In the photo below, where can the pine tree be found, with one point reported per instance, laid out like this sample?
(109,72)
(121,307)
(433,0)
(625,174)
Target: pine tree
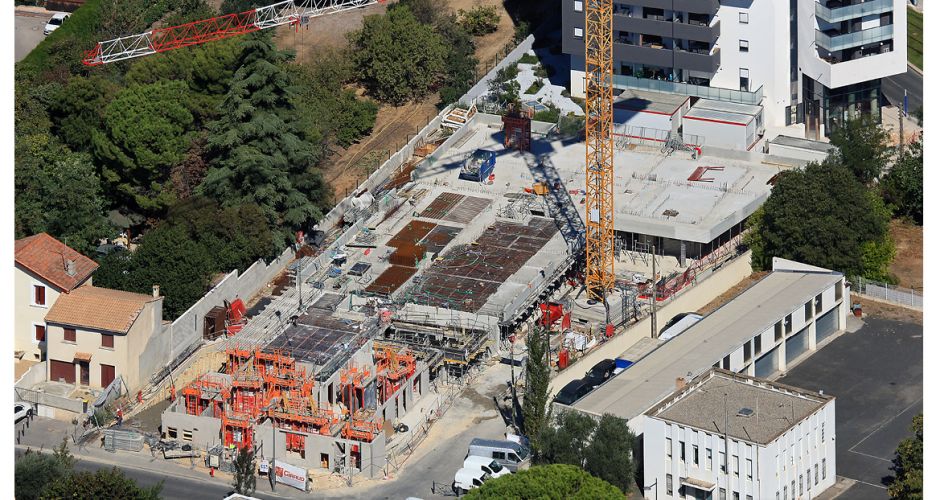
(909,465)
(535,411)
(256,153)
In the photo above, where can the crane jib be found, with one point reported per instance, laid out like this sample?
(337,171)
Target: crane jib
(216,28)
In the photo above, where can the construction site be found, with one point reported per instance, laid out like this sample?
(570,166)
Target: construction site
(481,228)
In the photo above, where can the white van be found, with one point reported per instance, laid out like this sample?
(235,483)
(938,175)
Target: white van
(509,454)
(487,465)
(468,479)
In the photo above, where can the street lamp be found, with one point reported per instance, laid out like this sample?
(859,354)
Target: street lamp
(652,486)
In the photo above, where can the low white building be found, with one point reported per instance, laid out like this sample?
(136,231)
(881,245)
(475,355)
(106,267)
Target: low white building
(728,436)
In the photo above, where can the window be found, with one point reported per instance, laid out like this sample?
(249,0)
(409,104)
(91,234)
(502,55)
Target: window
(839,289)
(69,334)
(39,295)
(809,482)
(757,345)
(808,311)
(107,375)
(778,331)
(784,493)
(742,17)
(723,466)
(816,473)
(735,495)
(682,451)
(695,455)
(745,80)
(801,484)
(669,448)
(822,432)
(747,352)
(187,435)
(778,495)
(748,497)
(792,453)
(499,455)
(171,432)
(708,458)
(107,341)
(788,324)
(40,333)
(578,6)
(793,487)
(578,32)
(743,45)
(669,484)
(748,469)
(722,494)
(734,465)
(818,304)
(726,363)
(824,469)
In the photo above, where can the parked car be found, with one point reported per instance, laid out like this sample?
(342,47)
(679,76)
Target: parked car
(509,454)
(487,465)
(575,390)
(467,479)
(21,411)
(57,19)
(600,373)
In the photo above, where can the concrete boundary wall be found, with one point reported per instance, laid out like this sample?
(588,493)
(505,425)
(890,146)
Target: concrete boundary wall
(483,85)
(33,376)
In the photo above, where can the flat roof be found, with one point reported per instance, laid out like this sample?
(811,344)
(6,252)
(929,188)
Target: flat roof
(712,115)
(647,382)
(757,411)
(797,142)
(730,107)
(650,102)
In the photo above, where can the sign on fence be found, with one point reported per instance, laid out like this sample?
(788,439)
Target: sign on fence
(290,475)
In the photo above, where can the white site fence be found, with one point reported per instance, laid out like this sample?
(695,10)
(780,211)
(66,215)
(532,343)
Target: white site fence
(883,292)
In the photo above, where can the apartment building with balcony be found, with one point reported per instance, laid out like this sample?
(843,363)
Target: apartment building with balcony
(805,61)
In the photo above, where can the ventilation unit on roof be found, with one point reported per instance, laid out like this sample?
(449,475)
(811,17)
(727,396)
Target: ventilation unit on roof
(745,412)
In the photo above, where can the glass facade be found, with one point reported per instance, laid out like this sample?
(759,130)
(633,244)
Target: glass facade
(833,107)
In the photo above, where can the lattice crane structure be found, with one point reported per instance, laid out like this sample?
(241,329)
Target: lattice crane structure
(207,30)
(599,157)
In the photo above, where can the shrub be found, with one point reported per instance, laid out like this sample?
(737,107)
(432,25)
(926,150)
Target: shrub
(479,20)
(528,59)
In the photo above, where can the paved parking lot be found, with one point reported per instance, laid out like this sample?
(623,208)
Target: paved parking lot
(27,27)
(876,375)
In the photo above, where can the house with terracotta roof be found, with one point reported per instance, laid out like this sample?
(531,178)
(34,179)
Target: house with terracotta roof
(95,334)
(45,269)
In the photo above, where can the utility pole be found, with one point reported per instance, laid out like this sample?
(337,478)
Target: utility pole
(272,472)
(901,127)
(653,332)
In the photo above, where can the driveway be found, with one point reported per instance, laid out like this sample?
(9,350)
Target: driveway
(27,28)
(893,88)
(876,375)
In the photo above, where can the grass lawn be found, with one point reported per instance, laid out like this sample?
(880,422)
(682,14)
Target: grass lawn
(535,87)
(915,38)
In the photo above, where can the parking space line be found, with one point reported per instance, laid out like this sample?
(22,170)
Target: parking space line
(869,484)
(870,456)
(886,422)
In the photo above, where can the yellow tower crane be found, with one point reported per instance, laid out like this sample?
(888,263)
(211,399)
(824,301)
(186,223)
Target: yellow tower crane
(599,156)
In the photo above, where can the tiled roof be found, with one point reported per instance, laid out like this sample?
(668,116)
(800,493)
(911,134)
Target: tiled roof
(98,308)
(48,258)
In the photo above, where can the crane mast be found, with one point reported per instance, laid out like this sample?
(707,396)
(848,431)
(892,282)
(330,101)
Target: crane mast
(216,28)
(599,154)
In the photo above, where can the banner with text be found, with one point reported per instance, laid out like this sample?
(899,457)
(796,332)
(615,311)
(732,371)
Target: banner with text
(291,475)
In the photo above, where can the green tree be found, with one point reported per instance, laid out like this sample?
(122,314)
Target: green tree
(103,483)
(79,109)
(480,20)
(535,410)
(821,215)
(504,86)
(903,186)
(244,475)
(34,471)
(147,131)
(398,58)
(256,153)
(555,482)
(425,11)
(460,61)
(863,147)
(567,442)
(908,466)
(610,454)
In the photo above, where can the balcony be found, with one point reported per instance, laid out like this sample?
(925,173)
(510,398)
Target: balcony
(696,6)
(697,31)
(653,55)
(834,12)
(833,40)
(696,60)
(715,93)
(670,29)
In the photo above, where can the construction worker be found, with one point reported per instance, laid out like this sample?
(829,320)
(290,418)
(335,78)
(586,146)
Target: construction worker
(120,416)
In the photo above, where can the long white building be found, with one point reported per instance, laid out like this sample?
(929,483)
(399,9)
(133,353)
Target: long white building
(727,436)
(810,62)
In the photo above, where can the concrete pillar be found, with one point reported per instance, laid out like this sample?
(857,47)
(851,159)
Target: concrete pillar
(844,306)
(781,355)
(811,334)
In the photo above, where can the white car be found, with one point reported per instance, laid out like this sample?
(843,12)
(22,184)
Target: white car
(21,411)
(57,19)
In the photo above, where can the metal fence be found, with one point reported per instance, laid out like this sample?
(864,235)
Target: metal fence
(881,291)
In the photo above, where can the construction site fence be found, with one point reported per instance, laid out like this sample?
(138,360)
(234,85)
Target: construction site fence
(883,292)
(512,55)
(40,398)
(124,440)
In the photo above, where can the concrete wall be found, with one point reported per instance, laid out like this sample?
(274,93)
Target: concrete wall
(27,315)
(206,431)
(484,84)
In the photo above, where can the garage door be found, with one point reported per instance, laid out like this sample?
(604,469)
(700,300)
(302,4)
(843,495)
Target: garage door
(62,370)
(765,365)
(827,324)
(797,344)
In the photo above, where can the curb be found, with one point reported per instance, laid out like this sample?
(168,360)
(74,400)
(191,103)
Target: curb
(916,69)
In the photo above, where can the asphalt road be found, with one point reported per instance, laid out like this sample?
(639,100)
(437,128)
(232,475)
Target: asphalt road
(876,375)
(27,33)
(893,89)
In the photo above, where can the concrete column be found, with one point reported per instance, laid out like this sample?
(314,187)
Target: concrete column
(844,306)
(811,334)
(781,356)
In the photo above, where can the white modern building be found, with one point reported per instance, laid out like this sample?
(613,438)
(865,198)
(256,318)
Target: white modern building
(727,436)
(811,62)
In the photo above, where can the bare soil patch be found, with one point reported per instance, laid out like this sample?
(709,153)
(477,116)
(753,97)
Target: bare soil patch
(888,311)
(908,263)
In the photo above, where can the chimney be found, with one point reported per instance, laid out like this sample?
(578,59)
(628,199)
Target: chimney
(70,267)
(680,383)
(156,291)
